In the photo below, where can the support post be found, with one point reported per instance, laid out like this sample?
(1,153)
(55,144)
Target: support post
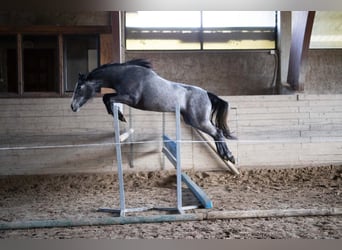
(178,163)
(117,35)
(119,159)
(118,139)
(302,22)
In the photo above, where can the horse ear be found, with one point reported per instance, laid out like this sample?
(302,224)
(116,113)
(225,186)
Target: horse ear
(81,76)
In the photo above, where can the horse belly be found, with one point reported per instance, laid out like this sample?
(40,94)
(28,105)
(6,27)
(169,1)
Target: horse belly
(161,103)
(162,99)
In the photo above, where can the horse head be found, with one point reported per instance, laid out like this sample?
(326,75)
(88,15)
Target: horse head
(84,90)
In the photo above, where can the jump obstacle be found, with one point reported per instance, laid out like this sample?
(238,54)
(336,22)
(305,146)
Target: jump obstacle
(171,149)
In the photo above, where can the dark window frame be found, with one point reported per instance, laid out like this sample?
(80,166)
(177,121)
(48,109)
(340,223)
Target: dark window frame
(60,32)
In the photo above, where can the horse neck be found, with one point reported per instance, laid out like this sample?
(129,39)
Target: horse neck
(97,84)
(106,79)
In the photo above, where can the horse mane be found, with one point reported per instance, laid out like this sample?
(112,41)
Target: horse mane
(139,62)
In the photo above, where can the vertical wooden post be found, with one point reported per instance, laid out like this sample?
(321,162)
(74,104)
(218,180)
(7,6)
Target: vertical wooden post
(302,22)
(20,65)
(283,44)
(116,33)
(61,64)
(110,44)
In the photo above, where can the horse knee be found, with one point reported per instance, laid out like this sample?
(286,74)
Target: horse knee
(107,102)
(105,99)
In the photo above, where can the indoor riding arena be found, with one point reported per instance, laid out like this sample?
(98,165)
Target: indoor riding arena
(139,173)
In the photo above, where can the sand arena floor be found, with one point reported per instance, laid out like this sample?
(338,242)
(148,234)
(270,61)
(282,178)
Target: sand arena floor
(78,196)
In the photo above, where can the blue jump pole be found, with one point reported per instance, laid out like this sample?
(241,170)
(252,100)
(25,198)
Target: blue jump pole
(197,191)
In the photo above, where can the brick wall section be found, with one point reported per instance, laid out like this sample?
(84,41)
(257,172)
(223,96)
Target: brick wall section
(273,131)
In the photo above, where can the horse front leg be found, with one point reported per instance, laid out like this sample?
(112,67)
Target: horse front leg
(108,100)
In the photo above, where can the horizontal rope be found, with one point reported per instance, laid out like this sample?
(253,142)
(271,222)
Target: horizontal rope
(129,143)
(96,144)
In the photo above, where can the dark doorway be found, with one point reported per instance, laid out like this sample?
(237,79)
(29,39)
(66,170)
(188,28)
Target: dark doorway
(39,70)
(12,71)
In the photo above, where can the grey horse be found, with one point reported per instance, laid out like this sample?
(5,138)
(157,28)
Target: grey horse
(138,86)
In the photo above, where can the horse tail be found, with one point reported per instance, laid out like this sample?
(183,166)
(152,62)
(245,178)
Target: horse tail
(219,114)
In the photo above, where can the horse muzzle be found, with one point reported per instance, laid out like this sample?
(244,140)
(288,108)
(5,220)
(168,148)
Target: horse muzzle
(75,108)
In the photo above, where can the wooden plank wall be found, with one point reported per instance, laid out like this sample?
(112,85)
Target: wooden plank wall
(273,131)
(294,130)
(34,122)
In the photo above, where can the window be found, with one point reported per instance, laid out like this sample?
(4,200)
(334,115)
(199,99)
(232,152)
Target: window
(42,52)
(195,30)
(163,30)
(37,68)
(40,63)
(239,29)
(327,30)
(8,64)
(80,56)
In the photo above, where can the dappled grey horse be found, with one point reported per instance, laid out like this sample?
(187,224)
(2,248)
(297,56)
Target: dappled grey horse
(138,86)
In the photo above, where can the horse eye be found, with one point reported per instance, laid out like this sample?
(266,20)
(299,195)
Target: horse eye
(79,86)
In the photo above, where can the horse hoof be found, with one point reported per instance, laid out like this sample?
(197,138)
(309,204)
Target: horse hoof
(122,118)
(231,159)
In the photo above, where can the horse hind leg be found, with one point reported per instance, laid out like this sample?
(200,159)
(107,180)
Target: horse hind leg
(217,134)
(222,149)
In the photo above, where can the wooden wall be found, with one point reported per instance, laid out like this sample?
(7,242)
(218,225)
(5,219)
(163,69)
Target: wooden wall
(294,130)
(43,136)
(324,74)
(225,73)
